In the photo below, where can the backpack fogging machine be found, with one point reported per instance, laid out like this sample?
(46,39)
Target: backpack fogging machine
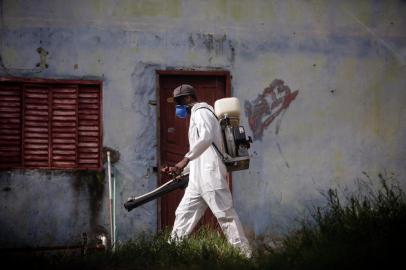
(235,155)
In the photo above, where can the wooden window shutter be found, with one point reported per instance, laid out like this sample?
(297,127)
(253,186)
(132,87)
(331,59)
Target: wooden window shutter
(36,129)
(89,127)
(50,124)
(64,128)
(10,125)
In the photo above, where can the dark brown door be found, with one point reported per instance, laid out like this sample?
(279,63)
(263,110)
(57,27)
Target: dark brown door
(173,131)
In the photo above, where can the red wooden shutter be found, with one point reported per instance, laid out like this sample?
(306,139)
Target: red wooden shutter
(64,129)
(10,125)
(36,126)
(50,124)
(89,128)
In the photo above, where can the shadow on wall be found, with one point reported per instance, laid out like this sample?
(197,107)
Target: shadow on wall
(262,111)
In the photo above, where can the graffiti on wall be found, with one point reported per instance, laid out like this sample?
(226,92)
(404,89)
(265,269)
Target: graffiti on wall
(262,111)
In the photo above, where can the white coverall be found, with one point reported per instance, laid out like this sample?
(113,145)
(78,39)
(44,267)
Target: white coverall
(207,182)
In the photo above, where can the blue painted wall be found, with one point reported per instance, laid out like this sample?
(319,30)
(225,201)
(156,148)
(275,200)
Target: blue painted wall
(347,60)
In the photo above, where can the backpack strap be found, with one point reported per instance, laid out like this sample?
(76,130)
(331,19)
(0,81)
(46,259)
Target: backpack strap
(208,110)
(213,144)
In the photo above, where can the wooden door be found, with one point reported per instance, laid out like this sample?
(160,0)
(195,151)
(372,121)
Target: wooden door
(173,132)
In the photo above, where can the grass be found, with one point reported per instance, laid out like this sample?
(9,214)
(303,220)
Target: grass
(358,232)
(206,249)
(362,232)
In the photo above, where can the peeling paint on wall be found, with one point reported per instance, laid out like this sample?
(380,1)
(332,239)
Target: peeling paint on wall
(43,58)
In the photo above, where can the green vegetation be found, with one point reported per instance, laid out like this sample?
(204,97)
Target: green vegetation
(366,231)
(363,231)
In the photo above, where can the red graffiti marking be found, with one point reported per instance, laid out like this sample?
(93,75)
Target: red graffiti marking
(267,106)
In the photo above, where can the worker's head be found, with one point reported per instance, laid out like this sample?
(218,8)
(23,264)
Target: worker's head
(184,94)
(184,97)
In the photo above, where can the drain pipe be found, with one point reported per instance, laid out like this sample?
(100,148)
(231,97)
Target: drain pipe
(114,208)
(111,203)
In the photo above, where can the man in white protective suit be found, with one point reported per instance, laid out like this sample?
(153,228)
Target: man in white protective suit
(207,178)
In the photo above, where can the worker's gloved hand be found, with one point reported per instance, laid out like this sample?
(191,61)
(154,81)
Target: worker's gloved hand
(172,171)
(165,169)
(177,169)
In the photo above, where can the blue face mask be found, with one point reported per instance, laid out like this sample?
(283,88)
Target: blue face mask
(181,111)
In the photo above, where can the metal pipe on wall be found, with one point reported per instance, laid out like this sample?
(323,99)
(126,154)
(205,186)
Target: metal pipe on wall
(111,203)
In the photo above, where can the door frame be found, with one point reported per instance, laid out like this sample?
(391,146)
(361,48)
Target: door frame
(219,73)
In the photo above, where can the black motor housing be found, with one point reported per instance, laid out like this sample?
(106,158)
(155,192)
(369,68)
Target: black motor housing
(236,144)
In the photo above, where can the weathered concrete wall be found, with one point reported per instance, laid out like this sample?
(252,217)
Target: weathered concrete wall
(346,59)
